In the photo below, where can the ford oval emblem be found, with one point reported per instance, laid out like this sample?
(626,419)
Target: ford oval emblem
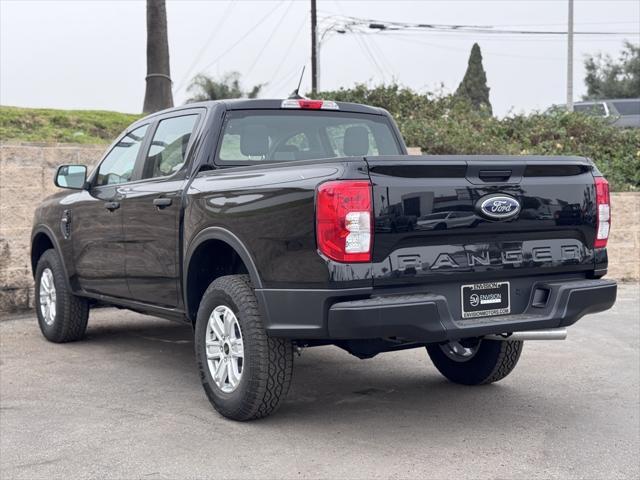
(499,207)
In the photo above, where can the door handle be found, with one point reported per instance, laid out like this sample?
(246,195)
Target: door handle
(111,206)
(162,202)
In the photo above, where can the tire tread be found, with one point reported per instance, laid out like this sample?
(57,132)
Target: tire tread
(273,363)
(72,312)
(507,361)
(494,360)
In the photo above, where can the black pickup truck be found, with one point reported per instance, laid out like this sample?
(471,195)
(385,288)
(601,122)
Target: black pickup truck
(273,225)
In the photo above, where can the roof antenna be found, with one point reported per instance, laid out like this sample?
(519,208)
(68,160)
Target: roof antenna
(295,95)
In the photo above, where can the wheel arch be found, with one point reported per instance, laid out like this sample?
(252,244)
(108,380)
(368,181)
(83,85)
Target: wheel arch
(43,239)
(216,251)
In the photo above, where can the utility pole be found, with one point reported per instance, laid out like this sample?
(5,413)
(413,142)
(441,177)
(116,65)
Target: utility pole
(158,95)
(570,59)
(314,49)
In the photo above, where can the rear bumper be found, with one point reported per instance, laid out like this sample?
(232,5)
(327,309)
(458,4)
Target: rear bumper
(426,317)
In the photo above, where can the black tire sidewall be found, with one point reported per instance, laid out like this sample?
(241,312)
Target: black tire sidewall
(475,371)
(228,403)
(50,260)
(72,312)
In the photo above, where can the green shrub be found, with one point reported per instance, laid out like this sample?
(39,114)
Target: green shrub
(444,124)
(74,126)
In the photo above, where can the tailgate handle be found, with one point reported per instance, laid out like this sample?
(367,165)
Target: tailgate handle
(494,175)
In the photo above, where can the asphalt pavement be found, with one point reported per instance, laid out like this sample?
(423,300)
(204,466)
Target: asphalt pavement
(126,402)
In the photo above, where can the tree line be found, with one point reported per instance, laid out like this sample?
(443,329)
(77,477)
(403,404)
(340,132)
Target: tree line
(606,77)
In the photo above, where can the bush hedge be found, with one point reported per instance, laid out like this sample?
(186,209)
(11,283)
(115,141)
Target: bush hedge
(445,124)
(51,125)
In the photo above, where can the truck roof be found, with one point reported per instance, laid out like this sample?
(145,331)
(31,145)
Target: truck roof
(271,104)
(257,104)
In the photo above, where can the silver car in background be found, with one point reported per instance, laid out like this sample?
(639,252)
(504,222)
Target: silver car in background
(622,112)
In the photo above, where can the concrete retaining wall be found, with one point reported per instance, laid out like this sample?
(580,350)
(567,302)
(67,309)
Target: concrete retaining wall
(26,177)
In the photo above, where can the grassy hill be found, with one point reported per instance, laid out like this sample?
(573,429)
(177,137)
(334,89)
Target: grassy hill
(49,125)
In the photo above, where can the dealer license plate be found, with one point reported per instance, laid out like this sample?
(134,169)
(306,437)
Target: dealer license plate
(485,299)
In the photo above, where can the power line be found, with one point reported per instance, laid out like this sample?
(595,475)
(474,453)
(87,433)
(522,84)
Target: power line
(266,44)
(328,14)
(213,34)
(560,24)
(245,35)
(351,23)
(383,57)
(367,53)
(292,73)
(510,38)
(415,41)
(289,48)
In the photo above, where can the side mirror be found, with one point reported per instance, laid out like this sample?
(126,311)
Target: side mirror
(71,176)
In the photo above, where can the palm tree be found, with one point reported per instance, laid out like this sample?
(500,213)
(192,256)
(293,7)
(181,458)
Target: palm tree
(158,94)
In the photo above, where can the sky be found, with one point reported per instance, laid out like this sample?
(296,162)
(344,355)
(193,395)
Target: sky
(91,54)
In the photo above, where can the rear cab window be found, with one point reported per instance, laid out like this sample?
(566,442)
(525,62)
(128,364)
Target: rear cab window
(167,152)
(264,136)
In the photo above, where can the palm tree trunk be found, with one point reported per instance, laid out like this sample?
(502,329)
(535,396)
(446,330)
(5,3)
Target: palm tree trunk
(158,92)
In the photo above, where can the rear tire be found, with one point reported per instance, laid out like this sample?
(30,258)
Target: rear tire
(256,386)
(62,316)
(487,361)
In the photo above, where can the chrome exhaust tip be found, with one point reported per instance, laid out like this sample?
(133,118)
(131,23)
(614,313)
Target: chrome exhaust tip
(548,334)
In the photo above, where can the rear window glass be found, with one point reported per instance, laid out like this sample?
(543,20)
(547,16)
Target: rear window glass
(628,108)
(275,135)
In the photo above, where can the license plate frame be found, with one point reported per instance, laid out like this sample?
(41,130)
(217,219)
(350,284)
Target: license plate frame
(486,299)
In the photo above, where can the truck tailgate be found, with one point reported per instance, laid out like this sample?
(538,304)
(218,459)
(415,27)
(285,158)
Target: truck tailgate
(429,219)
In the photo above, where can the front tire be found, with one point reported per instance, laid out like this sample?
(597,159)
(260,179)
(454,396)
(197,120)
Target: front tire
(245,373)
(62,316)
(475,361)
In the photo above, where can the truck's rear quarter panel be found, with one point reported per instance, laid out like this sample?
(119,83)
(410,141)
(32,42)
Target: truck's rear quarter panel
(271,209)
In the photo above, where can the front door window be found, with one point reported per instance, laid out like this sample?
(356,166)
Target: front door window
(118,165)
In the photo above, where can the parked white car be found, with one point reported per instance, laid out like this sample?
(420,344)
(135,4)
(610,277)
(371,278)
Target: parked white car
(445,220)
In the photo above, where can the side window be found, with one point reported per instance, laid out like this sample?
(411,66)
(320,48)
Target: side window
(595,109)
(117,167)
(167,153)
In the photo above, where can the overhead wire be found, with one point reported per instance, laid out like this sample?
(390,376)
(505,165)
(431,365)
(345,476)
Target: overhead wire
(510,38)
(293,42)
(386,63)
(415,41)
(245,35)
(388,25)
(289,76)
(361,43)
(266,44)
(212,35)
(367,52)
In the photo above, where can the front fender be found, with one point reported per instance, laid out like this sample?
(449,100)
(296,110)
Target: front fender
(63,251)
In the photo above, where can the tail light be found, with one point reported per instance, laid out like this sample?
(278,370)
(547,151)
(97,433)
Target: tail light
(603,220)
(343,220)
